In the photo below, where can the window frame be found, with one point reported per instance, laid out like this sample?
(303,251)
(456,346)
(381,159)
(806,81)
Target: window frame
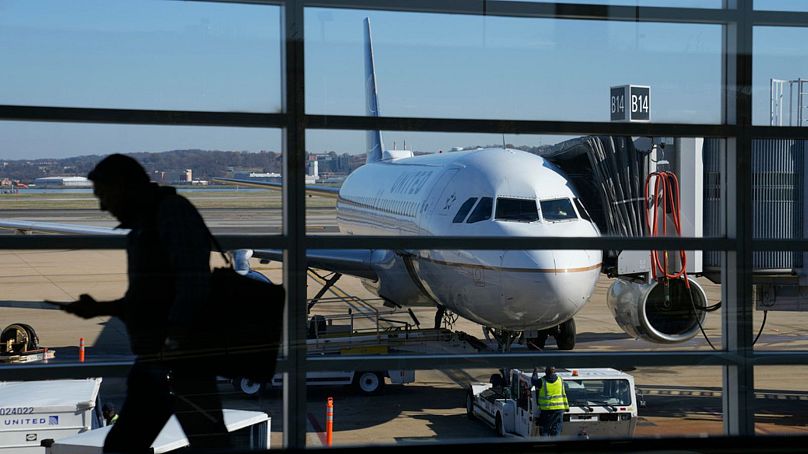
(738,357)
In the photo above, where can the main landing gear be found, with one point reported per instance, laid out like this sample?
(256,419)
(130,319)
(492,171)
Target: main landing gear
(564,335)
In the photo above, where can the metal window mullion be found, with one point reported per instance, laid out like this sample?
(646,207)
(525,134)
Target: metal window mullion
(738,378)
(779,132)
(294,228)
(537,10)
(495,126)
(488,243)
(42,242)
(141,116)
(780,19)
(522,360)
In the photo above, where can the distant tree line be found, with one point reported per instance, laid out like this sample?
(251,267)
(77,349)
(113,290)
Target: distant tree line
(204,163)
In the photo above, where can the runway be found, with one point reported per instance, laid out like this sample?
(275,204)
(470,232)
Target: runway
(680,400)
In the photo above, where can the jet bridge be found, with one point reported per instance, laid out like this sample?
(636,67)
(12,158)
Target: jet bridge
(641,187)
(610,174)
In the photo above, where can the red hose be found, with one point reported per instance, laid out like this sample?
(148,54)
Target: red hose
(666,190)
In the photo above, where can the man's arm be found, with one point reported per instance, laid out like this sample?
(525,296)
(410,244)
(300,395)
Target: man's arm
(87,307)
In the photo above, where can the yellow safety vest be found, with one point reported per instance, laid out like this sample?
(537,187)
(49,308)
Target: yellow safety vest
(552,396)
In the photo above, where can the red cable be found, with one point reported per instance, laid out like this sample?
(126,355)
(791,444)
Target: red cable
(666,190)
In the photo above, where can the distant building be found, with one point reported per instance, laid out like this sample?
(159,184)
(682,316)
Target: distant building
(189,176)
(276,177)
(63,182)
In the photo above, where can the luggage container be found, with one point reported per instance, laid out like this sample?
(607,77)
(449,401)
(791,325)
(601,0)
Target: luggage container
(33,411)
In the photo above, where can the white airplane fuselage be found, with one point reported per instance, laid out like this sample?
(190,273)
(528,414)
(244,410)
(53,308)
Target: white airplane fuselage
(504,289)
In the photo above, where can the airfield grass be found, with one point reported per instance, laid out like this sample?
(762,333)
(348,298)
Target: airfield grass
(201,199)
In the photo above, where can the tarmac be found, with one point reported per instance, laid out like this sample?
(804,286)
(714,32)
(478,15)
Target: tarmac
(680,400)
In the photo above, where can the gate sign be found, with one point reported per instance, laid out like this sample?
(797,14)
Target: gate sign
(630,103)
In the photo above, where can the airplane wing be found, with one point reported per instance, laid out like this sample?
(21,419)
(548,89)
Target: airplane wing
(322,191)
(353,262)
(58,227)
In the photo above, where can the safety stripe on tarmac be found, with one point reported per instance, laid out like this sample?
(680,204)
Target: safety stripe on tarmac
(709,393)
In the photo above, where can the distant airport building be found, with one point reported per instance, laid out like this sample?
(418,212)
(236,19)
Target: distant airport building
(63,182)
(312,174)
(189,176)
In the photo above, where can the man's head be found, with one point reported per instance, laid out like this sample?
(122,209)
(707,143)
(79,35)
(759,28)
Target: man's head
(116,179)
(108,410)
(549,370)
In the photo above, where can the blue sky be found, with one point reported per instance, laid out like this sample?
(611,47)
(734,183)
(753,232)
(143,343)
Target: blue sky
(150,54)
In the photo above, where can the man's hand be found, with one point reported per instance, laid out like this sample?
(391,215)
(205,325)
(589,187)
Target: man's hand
(177,338)
(85,307)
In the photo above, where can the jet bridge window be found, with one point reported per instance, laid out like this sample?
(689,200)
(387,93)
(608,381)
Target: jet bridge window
(520,210)
(464,210)
(557,210)
(482,212)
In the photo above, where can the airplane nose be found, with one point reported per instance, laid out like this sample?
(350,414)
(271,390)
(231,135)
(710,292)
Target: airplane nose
(548,287)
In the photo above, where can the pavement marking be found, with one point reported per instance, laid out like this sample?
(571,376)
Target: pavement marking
(798,395)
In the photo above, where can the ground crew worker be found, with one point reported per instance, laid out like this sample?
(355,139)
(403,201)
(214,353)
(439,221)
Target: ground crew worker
(552,400)
(110,413)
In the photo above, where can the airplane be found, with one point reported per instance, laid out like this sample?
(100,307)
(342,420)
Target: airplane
(481,192)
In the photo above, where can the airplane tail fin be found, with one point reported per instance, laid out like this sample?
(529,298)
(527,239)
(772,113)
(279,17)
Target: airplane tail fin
(374,138)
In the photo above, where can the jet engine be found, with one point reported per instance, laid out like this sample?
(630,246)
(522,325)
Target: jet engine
(664,312)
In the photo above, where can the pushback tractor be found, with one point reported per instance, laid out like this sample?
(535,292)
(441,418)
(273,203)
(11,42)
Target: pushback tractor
(603,402)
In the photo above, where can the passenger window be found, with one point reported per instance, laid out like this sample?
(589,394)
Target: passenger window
(582,211)
(464,210)
(557,210)
(482,212)
(520,210)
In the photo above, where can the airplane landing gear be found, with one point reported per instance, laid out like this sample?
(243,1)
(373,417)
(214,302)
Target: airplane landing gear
(504,338)
(439,316)
(565,338)
(564,335)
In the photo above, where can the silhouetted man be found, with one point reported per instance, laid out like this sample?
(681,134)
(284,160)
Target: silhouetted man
(168,258)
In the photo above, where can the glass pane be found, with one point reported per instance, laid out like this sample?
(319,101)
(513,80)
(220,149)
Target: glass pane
(516,210)
(464,210)
(781,5)
(482,212)
(464,66)
(780,393)
(557,210)
(604,403)
(779,73)
(667,3)
(623,183)
(490,295)
(779,300)
(169,55)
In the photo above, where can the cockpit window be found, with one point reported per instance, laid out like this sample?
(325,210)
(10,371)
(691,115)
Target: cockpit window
(582,211)
(557,210)
(520,210)
(482,211)
(464,210)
